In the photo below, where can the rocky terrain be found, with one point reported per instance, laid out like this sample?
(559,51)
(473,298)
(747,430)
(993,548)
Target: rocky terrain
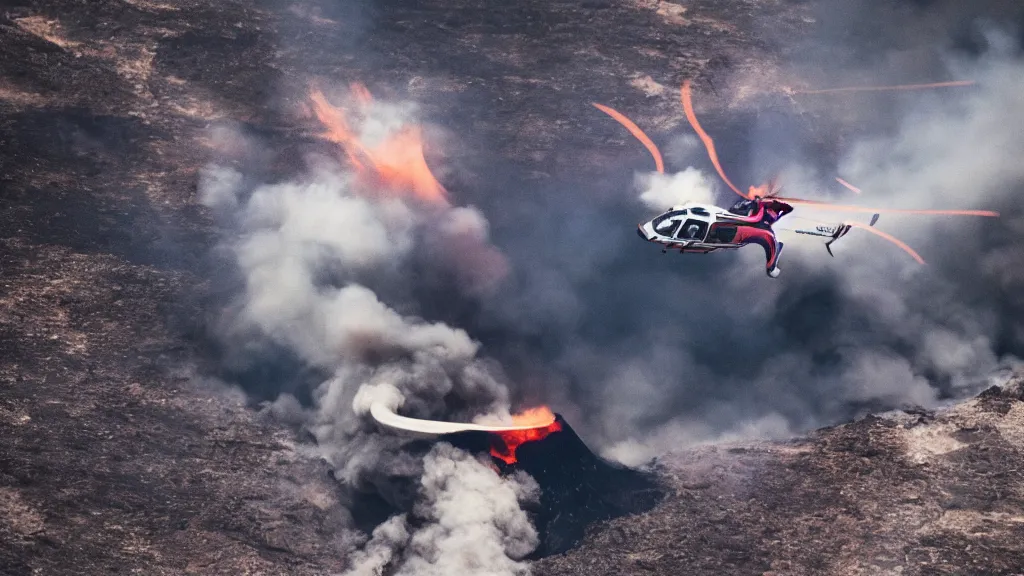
(117,455)
(913,492)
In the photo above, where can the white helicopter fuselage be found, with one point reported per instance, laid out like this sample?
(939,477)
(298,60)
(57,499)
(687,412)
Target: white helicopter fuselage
(687,227)
(703,228)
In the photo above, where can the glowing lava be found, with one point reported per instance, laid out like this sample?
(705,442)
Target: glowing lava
(395,164)
(505,443)
(636,132)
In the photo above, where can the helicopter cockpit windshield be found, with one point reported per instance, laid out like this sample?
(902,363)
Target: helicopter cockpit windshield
(668,223)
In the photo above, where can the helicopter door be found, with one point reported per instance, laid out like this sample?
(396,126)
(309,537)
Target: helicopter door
(722,233)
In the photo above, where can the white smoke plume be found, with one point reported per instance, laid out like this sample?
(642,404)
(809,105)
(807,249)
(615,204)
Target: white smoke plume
(314,256)
(468,520)
(375,556)
(662,191)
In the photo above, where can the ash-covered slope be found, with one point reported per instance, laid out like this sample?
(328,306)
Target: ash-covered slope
(113,457)
(580,488)
(903,493)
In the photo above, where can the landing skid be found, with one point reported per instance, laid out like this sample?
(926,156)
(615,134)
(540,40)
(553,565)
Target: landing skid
(698,247)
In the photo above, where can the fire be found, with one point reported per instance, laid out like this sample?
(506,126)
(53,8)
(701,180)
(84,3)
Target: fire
(396,164)
(888,88)
(504,444)
(636,132)
(540,416)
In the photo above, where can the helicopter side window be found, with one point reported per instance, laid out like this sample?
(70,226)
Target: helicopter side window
(692,230)
(666,227)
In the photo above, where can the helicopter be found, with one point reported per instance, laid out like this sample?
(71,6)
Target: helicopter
(695,227)
(701,228)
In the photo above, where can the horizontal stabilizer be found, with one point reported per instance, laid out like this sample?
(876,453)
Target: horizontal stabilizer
(841,231)
(815,233)
(824,231)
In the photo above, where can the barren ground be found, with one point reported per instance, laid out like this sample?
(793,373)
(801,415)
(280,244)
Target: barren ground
(114,459)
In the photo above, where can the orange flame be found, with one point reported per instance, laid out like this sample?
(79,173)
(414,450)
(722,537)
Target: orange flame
(848,186)
(887,88)
(539,416)
(362,94)
(396,164)
(636,132)
(708,142)
(505,443)
(890,238)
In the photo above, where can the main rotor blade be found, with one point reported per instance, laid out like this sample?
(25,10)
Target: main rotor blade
(887,88)
(709,144)
(636,132)
(848,208)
